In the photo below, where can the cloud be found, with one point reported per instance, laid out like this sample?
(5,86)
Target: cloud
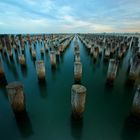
(29,16)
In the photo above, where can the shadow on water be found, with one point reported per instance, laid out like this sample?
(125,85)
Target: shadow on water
(58,60)
(109,86)
(14,70)
(53,71)
(12,67)
(11,58)
(3,91)
(24,124)
(16,57)
(43,88)
(131,128)
(24,70)
(76,128)
(62,57)
(42,56)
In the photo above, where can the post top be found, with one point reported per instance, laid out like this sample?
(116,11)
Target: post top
(15,84)
(39,61)
(77,62)
(78,88)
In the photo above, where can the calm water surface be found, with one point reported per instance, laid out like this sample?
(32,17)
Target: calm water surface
(49,108)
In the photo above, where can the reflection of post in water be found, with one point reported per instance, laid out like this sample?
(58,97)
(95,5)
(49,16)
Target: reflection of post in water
(43,89)
(53,71)
(24,70)
(17,100)
(46,46)
(14,70)
(62,57)
(3,80)
(57,55)
(42,51)
(76,128)
(24,124)
(131,128)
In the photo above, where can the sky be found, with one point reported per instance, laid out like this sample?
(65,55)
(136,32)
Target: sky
(69,16)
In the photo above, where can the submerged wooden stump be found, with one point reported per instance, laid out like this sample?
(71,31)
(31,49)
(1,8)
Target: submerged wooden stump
(16,96)
(136,103)
(77,71)
(78,99)
(40,68)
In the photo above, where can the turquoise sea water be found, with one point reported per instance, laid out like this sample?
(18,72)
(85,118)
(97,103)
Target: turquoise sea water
(106,115)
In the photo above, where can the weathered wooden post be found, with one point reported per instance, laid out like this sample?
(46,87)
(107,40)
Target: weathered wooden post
(95,54)
(8,45)
(91,51)
(112,70)
(53,58)
(120,54)
(3,80)
(22,59)
(33,52)
(77,57)
(29,42)
(40,68)
(77,71)
(42,50)
(61,48)
(76,49)
(46,46)
(57,54)
(78,99)
(21,42)
(16,97)
(107,53)
(135,67)
(136,103)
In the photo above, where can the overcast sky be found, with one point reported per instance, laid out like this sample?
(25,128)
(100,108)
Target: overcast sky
(54,16)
